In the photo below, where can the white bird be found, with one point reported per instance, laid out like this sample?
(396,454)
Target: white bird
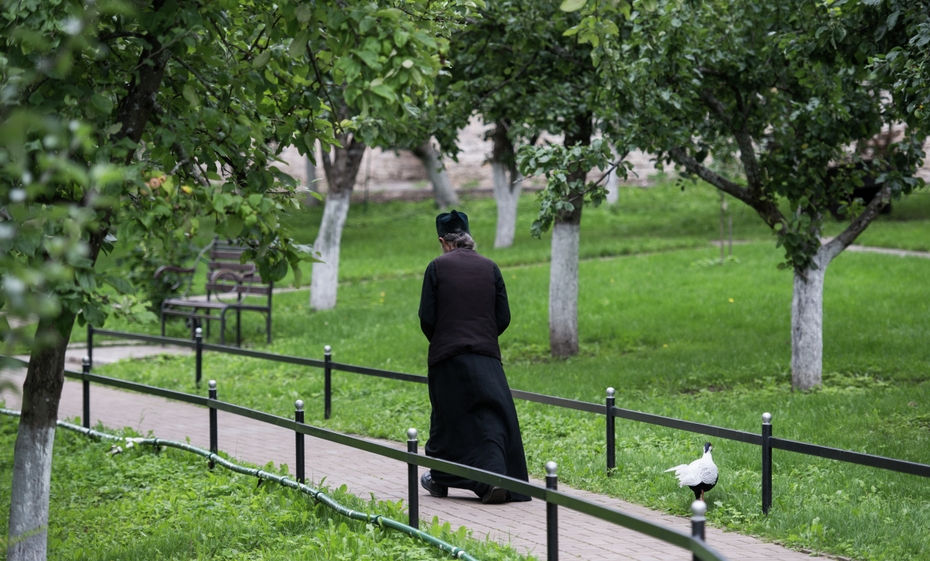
(700,475)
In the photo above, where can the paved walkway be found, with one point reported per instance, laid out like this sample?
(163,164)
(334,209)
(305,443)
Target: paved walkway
(523,525)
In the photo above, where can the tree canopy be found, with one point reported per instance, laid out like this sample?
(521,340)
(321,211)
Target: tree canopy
(147,122)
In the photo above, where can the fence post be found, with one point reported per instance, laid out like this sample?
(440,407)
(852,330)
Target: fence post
(766,462)
(213,436)
(327,381)
(698,509)
(611,434)
(552,514)
(299,418)
(90,344)
(198,356)
(86,369)
(413,500)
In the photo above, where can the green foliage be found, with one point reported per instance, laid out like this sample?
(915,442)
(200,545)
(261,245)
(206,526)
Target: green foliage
(907,62)
(513,68)
(776,87)
(141,504)
(145,121)
(565,169)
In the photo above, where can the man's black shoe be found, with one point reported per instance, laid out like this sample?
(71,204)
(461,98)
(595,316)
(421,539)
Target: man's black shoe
(435,489)
(495,496)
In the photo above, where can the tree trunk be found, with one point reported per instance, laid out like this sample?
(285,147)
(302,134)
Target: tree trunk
(32,464)
(563,287)
(32,461)
(613,186)
(807,322)
(506,189)
(311,184)
(341,171)
(442,187)
(507,195)
(563,269)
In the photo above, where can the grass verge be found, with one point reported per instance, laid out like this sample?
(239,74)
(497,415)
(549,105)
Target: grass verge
(144,505)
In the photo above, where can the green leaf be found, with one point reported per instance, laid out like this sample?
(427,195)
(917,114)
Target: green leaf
(303,12)
(120,284)
(86,280)
(93,315)
(101,103)
(232,226)
(262,59)
(572,5)
(299,45)
(384,91)
(370,58)
(190,95)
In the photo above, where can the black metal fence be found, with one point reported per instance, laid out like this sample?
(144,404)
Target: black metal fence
(765,439)
(695,543)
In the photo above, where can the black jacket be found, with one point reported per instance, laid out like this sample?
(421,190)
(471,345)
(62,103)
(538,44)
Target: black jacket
(463,305)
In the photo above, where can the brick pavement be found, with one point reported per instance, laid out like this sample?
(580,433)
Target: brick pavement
(520,524)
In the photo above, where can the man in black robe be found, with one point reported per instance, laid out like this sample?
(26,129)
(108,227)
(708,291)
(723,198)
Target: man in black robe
(463,310)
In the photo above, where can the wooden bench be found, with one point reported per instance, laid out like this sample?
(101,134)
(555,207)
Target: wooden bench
(230,286)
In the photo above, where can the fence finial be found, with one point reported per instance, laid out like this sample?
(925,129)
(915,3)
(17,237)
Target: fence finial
(551,468)
(198,332)
(610,392)
(698,509)
(327,350)
(767,418)
(85,361)
(299,405)
(412,434)
(211,384)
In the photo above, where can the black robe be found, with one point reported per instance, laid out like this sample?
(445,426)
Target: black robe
(463,308)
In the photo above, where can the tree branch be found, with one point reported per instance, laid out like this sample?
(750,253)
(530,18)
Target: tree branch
(743,140)
(507,81)
(693,166)
(860,223)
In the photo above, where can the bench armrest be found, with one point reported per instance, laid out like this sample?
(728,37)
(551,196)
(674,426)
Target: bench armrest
(183,276)
(171,268)
(225,281)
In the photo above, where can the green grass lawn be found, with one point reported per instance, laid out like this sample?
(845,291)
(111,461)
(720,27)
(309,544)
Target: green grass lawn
(143,505)
(675,332)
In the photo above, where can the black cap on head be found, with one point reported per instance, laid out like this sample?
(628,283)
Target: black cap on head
(451,223)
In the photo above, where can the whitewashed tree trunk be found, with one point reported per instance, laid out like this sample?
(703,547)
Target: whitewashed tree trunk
(341,170)
(325,282)
(613,188)
(807,319)
(507,195)
(443,191)
(32,470)
(506,189)
(32,456)
(563,289)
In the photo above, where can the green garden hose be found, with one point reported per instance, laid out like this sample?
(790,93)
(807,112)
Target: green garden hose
(319,496)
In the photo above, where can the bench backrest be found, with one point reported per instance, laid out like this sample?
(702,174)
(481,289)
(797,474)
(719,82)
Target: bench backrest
(227,275)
